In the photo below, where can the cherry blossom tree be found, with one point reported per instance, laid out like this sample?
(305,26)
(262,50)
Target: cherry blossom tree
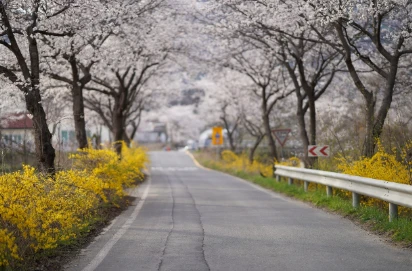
(263,71)
(312,71)
(81,50)
(371,37)
(277,26)
(220,106)
(268,83)
(252,122)
(21,24)
(131,59)
(124,99)
(377,34)
(64,39)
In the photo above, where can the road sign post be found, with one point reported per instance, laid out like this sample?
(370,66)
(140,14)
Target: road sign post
(281,136)
(217,136)
(217,139)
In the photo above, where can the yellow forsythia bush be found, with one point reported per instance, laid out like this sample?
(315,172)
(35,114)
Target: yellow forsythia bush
(382,166)
(233,161)
(37,212)
(406,156)
(229,157)
(113,173)
(291,162)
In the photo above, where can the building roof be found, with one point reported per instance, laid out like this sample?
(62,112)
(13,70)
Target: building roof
(16,121)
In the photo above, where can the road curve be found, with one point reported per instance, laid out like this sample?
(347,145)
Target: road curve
(191,219)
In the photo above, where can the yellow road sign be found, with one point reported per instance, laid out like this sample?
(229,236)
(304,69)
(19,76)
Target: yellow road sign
(217,136)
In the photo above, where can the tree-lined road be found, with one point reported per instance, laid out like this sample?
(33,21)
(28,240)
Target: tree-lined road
(190,219)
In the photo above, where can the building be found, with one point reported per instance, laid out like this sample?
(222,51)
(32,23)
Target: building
(17,131)
(152,132)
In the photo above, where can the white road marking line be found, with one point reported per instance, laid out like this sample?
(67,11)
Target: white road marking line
(195,161)
(271,193)
(174,168)
(116,237)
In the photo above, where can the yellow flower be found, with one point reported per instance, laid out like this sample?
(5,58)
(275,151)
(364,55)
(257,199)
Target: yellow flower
(39,213)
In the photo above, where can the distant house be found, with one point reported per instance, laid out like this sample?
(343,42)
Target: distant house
(154,132)
(17,130)
(64,137)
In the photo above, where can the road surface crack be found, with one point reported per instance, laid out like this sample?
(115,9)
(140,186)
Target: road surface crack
(200,222)
(171,229)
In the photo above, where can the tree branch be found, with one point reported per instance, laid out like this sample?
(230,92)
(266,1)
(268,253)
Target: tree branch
(12,77)
(54,34)
(60,78)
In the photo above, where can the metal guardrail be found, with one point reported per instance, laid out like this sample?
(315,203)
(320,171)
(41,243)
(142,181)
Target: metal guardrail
(394,193)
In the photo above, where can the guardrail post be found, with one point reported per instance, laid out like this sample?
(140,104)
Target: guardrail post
(329,191)
(355,200)
(290,181)
(393,212)
(306,186)
(277,178)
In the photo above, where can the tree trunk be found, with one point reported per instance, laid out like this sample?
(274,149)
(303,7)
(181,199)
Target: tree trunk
(266,125)
(253,149)
(133,133)
(369,142)
(309,90)
(302,129)
(230,137)
(379,122)
(231,142)
(373,126)
(300,113)
(230,132)
(135,126)
(119,119)
(78,116)
(271,141)
(312,126)
(78,106)
(126,139)
(45,152)
(118,130)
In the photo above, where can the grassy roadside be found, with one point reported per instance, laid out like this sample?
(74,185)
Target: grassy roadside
(370,218)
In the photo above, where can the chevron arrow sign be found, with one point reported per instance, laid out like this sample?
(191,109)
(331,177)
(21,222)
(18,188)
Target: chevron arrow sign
(318,151)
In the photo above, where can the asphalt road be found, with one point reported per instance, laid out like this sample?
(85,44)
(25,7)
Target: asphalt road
(190,218)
